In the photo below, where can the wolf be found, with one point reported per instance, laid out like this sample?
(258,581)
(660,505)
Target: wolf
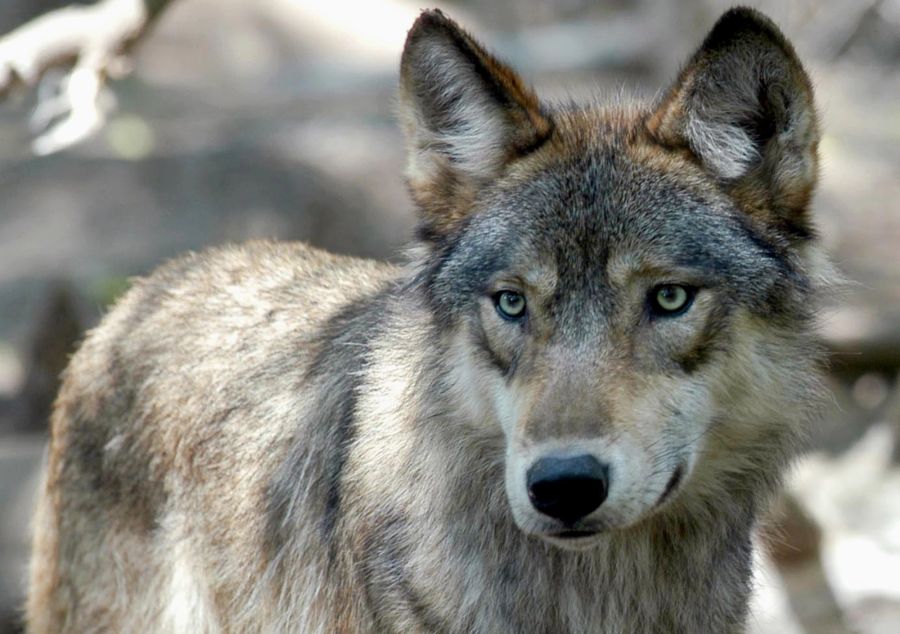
(564,412)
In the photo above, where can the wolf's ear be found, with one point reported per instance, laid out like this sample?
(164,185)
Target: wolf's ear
(743,106)
(466,116)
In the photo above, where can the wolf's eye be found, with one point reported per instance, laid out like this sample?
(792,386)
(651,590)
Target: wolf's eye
(510,304)
(670,300)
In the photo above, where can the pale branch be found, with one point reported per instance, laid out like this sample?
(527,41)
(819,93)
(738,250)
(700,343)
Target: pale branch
(91,42)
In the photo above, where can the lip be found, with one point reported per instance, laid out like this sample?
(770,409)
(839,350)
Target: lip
(674,481)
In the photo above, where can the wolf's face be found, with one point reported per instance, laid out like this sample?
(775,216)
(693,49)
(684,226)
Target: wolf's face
(626,290)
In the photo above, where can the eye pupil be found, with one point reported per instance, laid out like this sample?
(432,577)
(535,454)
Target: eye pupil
(510,304)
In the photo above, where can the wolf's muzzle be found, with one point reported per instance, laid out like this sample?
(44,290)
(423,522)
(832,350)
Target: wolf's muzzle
(567,488)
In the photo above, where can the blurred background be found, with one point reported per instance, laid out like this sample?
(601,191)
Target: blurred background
(274,118)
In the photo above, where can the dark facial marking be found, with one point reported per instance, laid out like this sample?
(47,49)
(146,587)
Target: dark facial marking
(483,345)
(673,483)
(706,343)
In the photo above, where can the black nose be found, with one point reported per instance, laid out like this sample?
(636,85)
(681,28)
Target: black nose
(567,488)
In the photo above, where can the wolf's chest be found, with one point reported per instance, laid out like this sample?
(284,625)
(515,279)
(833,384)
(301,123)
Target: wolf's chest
(458,583)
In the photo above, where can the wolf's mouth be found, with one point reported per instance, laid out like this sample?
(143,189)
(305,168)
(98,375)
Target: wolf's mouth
(574,539)
(673,483)
(573,534)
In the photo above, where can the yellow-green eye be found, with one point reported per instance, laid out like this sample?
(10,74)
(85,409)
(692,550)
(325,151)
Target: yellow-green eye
(671,299)
(510,304)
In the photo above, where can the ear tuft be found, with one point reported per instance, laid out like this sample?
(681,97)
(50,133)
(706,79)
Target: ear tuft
(743,106)
(466,116)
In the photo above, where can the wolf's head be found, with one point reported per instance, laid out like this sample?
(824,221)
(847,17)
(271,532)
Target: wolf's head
(626,291)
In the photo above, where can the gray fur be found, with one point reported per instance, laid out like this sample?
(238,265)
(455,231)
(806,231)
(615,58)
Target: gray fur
(267,438)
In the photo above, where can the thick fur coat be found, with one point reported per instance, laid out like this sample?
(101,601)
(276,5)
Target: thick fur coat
(269,438)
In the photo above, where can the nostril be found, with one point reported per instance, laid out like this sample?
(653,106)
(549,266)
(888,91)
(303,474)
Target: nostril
(567,488)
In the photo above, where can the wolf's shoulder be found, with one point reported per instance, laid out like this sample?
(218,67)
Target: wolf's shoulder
(247,280)
(268,265)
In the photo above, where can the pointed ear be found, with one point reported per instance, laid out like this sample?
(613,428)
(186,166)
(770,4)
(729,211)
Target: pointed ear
(743,106)
(466,116)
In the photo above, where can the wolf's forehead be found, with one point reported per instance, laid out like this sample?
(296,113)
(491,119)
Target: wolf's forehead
(602,217)
(590,208)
